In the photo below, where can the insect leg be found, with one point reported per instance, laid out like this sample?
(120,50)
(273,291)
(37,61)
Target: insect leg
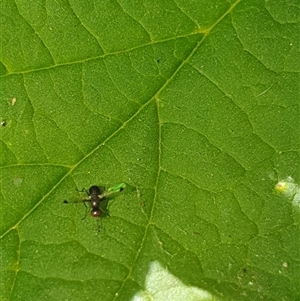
(83,190)
(98,226)
(86,208)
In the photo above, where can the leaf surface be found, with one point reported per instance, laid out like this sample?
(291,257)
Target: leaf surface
(193,104)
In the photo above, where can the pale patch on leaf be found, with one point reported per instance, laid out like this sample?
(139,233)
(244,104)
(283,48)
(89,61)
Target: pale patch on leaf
(161,285)
(291,190)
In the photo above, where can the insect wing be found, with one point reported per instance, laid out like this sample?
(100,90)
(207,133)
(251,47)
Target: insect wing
(76,202)
(76,198)
(114,191)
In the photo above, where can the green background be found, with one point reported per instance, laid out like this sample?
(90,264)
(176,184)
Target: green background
(194,104)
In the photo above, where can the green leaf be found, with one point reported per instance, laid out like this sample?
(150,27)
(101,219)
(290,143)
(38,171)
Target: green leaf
(194,105)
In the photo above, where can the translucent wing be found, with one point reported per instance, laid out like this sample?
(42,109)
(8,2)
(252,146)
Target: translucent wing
(112,192)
